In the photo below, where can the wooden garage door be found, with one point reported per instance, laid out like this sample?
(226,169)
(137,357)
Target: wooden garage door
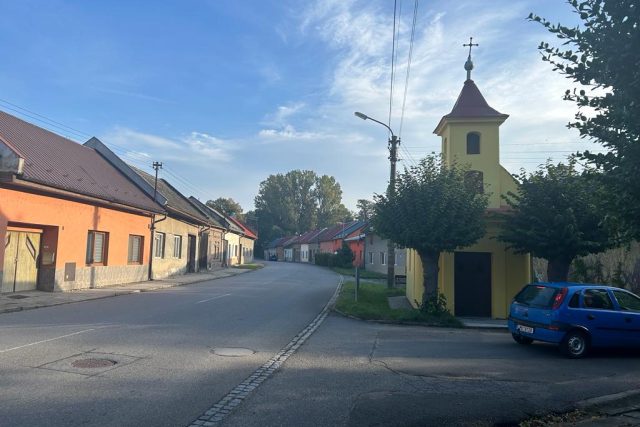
(20,270)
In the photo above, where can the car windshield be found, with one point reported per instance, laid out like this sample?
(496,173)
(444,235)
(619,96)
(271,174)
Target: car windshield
(537,296)
(627,300)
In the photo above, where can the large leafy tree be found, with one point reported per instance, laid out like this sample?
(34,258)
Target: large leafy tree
(557,215)
(434,210)
(365,209)
(329,202)
(603,54)
(227,206)
(296,202)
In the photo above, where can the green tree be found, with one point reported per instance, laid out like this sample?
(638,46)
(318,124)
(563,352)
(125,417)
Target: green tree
(296,202)
(434,210)
(603,54)
(227,206)
(329,202)
(557,215)
(365,209)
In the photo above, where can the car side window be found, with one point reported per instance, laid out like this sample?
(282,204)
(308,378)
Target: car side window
(627,301)
(597,299)
(574,302)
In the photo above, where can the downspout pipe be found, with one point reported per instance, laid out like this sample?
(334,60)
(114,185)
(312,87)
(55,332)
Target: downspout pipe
(153,229)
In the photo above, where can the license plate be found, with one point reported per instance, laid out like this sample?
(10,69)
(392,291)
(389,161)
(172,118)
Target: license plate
(525,329)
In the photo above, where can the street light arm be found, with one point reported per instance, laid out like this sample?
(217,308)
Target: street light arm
(365,117)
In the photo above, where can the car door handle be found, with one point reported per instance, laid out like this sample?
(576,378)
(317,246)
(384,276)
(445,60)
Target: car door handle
(627,319)
(590,316)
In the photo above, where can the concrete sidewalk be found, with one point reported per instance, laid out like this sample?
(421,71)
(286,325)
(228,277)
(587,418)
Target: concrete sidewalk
(18,301)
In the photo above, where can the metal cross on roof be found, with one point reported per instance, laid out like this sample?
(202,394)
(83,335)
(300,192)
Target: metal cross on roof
(469,64)
(471,44)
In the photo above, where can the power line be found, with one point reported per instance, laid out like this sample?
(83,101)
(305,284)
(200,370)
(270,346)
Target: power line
(393,59)
(123,152)
(406,82)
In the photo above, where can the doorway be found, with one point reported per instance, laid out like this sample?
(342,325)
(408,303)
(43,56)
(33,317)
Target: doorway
(203,259)
(21,257)
(191,253)
(472,284)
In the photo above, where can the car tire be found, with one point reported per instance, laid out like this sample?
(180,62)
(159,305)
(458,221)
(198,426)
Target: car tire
(522,339)
(575,344)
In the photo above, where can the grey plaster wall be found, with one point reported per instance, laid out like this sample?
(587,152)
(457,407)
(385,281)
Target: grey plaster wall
(100,276)
(375,245)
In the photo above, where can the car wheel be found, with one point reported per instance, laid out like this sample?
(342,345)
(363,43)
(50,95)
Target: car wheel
(521,339)
(575,344)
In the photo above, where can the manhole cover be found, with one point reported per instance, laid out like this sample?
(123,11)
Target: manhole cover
(232,351)
(92,363)
(18,296)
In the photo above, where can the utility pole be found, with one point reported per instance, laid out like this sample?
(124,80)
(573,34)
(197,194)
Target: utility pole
(156,166)
(391,248)
(391,191)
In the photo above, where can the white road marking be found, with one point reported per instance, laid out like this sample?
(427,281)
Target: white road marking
(211,299)
(44,341)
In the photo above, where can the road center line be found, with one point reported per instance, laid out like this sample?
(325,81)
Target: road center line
(44,341)
(211,299)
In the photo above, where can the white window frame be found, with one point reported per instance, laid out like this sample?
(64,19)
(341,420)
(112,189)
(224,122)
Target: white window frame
(177,246)
(159,241)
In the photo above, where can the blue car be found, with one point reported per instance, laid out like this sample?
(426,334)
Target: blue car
(575,316)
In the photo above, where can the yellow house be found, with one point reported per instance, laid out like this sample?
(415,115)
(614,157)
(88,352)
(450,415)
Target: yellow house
(478,280)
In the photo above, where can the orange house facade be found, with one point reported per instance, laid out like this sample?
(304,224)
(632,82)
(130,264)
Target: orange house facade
(68,220)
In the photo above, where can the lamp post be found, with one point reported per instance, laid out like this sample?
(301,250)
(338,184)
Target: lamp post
(391,191)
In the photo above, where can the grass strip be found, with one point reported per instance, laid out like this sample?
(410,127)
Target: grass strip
(373,304)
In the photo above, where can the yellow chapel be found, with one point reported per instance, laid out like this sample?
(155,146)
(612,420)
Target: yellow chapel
(479,280)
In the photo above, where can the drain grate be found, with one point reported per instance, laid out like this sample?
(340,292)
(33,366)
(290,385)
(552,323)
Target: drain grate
(232,351)
(17,296)
(93,363)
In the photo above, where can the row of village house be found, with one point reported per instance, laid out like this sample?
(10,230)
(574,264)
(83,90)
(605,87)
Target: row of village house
(76,216)
(369,250)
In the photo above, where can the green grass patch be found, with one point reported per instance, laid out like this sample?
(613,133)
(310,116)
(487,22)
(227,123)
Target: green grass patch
(364,274)
(249,266)
(373,305)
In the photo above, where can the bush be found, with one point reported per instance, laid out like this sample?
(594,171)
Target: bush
(344,257)
(322,259)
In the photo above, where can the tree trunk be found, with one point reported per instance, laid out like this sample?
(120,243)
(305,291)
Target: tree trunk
(558,270)
(430,270)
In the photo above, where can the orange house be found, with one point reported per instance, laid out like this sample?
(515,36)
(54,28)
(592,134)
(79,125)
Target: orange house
(68,219)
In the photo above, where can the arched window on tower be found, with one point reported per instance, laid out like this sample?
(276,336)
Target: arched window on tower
(473,143)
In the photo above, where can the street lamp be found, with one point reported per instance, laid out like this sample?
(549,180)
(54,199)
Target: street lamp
(391,191)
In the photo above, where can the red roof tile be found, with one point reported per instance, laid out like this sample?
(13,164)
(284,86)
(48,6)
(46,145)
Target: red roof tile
(471,105)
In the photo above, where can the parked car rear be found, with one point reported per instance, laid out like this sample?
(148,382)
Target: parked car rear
(575,316)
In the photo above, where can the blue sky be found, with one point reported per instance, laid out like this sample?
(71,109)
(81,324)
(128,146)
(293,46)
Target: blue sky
(225,92)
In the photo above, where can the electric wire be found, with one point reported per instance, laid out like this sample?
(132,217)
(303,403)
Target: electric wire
(406,81)
(137,159)
(393,62)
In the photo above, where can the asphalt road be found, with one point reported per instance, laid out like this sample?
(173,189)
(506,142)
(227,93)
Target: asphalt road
(354,373)
(166,373)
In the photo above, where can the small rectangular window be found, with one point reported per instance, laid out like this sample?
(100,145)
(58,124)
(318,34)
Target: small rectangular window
(97,242)
(370,257)
(177,246)
(136,243)
(383,258)
(158,245)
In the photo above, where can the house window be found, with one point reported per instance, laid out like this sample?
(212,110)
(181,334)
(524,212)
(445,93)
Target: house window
(473,143)
(158,245)
(177,246)
(136,243)
(474,180)
(383,258)
(370,257)
(97,242)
